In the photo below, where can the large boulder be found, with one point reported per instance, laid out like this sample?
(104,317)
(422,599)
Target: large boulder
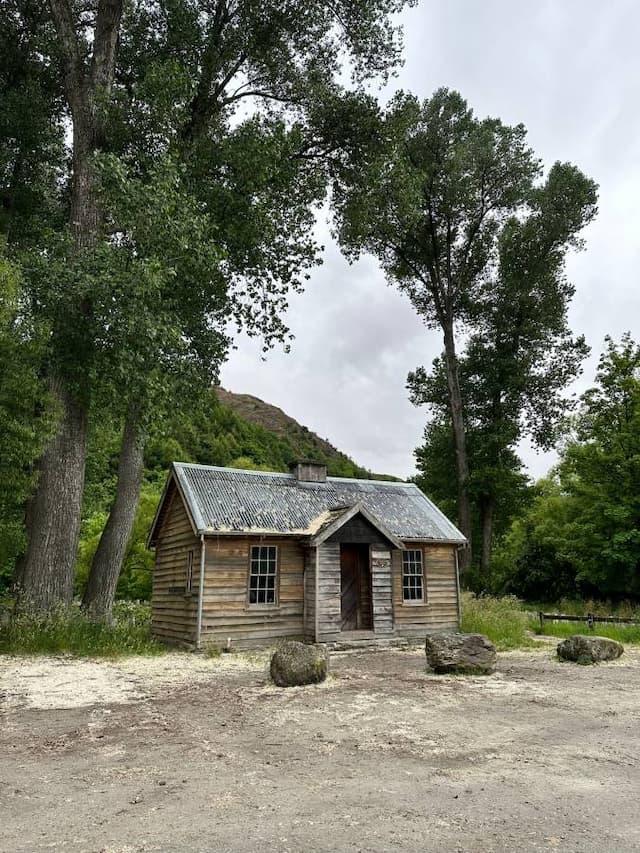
(584,649)
(468,654)
(295,663)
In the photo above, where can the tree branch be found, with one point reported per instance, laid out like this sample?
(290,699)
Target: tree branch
(105,41)
(73,64)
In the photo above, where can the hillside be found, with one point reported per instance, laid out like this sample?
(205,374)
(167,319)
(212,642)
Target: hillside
(301,442)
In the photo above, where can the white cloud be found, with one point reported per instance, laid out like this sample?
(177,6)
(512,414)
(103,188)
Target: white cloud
(569,71)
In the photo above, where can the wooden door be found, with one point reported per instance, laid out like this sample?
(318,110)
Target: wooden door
(349,588)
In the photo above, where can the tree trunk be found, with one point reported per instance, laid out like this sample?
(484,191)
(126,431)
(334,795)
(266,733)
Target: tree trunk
(459,439)
(46,572)
(108,559)
(487,507)
(53,519)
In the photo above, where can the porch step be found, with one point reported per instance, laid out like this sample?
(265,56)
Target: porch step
(377,644)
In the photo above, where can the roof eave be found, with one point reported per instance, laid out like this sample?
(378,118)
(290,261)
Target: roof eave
(175,478)
(356,509)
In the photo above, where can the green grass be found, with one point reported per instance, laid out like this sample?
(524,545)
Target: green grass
(509,623)
(622,633)
(505,621)
(581,607)
(71,632)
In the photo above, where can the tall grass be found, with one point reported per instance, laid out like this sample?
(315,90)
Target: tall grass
(70,631)
(505,621)
(584,606)
(510,623)
(621,633)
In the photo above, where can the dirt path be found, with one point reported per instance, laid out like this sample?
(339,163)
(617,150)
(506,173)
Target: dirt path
(181,753)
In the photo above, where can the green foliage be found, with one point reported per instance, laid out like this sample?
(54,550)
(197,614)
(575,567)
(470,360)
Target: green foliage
(204,136)
(600,473)
(455,210)
(70,631)
(581,534)
(135,579)
(428,197)
(599,607)
(621,633)
(505,621)
(212,434)
(25,415)
(530,560)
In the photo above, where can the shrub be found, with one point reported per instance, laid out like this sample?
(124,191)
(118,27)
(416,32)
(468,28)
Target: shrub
(505,621)
(72,632)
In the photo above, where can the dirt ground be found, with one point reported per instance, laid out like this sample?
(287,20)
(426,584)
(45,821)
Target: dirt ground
(185,753)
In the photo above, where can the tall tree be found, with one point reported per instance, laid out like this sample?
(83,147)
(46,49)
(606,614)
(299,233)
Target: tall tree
(520,356)
(600,475)
(442,198)
(25,413)
(581,533)
(206,90)
(87,59)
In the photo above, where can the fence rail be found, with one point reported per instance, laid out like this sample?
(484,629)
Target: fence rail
(590,619)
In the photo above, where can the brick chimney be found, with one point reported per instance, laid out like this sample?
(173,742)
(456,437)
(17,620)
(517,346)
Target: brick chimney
(309,472)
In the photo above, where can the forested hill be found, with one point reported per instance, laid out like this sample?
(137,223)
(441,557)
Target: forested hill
(239,431)
(297,441)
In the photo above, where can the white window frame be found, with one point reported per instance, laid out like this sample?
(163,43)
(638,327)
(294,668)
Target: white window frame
(267,567)
(412,563)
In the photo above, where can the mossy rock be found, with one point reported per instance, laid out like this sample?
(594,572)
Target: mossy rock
(586,650)
(294,664)
(460,654)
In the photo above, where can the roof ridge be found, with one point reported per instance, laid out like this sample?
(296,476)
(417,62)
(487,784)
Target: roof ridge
(270,502)
(288,476)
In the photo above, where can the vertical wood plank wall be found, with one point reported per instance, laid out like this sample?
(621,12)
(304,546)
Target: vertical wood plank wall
(381,591)
(225,608)
(329,610)
(440,612)
(173,615)
(310,594)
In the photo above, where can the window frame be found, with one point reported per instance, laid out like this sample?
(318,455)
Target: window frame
(413,602)
(264,605)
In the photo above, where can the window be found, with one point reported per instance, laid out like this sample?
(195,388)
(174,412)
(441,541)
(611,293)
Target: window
(262,574)
(189,571)
(412,576)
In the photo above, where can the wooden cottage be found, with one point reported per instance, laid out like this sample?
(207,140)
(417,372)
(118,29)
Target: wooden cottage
(254,556)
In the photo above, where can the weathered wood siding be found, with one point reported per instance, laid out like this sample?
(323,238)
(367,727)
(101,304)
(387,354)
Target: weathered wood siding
(310,593)
(226,612)
(358,531)
(328,604)
(173,614)
(440,612)
(381,591)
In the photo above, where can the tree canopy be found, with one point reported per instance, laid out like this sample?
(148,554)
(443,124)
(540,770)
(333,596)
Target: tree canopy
(581,533)
(455,209)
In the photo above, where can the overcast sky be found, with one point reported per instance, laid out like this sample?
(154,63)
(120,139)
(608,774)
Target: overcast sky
(570,71)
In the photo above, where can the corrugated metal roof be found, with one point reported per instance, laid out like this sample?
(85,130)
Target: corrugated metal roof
(227,500)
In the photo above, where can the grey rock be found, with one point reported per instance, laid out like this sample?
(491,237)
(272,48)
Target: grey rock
(295,663)
(469,654)
(583,649)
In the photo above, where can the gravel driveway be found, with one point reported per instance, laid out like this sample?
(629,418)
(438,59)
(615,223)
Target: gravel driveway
(184,753)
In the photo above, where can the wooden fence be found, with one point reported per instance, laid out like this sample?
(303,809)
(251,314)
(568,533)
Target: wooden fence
(590,619)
